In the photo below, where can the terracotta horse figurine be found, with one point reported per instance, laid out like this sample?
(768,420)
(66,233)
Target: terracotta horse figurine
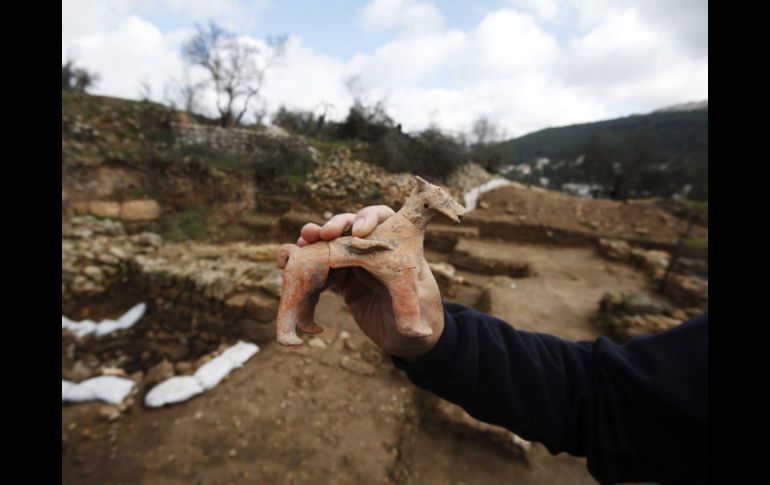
(392,253)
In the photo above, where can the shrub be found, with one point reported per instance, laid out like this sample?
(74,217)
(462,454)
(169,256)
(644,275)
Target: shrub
(430,154)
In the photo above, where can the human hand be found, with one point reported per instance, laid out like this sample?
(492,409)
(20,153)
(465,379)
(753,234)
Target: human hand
(367,298)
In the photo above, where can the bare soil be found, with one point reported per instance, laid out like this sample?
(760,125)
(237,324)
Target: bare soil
(529,214)
(343,414)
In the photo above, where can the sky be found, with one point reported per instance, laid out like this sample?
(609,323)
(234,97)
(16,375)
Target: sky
(523,64)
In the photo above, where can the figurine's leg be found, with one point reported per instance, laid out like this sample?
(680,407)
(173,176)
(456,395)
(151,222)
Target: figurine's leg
(406,304)
(305,317)
(303,279)
(286,332)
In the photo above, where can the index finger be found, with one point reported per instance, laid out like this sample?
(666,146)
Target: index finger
(369,217)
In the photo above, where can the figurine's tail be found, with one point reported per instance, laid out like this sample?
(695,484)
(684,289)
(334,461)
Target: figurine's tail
(283,254)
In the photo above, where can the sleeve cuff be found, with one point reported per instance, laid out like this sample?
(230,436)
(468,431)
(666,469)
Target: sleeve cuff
(440,353)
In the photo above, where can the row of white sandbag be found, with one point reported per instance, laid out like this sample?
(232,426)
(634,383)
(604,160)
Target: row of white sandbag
(114,389)
(89,327)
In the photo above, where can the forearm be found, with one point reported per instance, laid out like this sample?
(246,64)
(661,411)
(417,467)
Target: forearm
(532,384)
(638,412)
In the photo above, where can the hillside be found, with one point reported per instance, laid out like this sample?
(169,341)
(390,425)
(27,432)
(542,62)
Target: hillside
(669,149)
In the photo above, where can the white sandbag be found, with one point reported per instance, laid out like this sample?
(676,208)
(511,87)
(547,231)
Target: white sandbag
(79,393)
(208,376)
(174,389)
(88,327)
(472,196)
(211,373)
(65,387)
(81,329)
(106,326)
(111,389)
(240,352)
(132,316)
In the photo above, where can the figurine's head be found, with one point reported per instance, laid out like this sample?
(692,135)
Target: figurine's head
(433,198)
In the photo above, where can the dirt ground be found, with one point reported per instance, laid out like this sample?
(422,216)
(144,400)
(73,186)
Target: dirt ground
(517,212)
(343,414)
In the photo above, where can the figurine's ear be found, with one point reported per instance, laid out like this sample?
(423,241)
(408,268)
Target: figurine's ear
(421,183)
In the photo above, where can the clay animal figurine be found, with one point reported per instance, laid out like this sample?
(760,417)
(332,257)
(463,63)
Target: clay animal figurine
(392,253)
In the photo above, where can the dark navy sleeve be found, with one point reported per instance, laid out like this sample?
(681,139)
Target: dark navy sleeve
(638,412)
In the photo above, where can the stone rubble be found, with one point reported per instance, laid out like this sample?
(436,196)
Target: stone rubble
(453,418)
(340,177)
(688,290)
(623,316)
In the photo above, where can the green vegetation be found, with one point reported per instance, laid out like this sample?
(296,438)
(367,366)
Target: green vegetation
(112,128)
(328,147)
(697,208)
(184,226)
(655,154)
(375,138)
(139,193)
(697,243)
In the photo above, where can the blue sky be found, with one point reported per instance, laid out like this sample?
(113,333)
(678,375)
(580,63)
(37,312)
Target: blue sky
(525,64)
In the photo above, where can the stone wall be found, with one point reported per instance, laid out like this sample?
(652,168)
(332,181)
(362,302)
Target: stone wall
(230,140)
(198,296)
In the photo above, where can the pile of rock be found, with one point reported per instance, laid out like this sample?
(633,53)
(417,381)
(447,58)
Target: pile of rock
(340,177)
(244,278)
(689,289)
(468,182)
(453,418)
(96,255)
(467,177)
(622,316)
(467,257)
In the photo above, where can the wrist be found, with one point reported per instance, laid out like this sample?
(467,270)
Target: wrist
(413,349)
(437,354)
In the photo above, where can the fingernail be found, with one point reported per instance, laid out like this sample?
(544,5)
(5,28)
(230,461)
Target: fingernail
(357,224)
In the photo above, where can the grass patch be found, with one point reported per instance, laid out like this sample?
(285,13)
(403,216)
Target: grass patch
(184,226)
(702,244)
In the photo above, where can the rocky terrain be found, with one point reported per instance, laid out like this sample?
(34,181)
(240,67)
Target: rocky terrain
(197,244)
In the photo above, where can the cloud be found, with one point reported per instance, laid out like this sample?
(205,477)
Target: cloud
(507,43)
(686,20)
(620,48)
(519,104)
(409,59)
(528,65)
(545,10)
(408,15)
(629,61)
(86,17)
(135,50)
(307,80)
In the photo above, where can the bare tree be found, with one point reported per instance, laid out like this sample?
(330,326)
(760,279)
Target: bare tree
(235,67)
(485,131)
(145,89)
(259,112)
(325,108)
(76,79)
(184,93)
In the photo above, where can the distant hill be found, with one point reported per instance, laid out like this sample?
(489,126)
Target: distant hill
(656,154)
(695,105)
